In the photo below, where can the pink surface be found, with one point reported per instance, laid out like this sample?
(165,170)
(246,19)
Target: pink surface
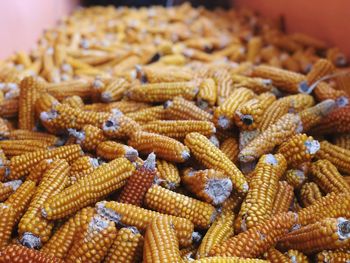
(22,21)
(325,19)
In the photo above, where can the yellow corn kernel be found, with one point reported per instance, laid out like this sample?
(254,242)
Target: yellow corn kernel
(333,256)
(33,135)
(130,215)
(74,102)
(164,147)
(89,137)
(160,74)
(275,256)
(127,246)
(320,69)
(22,165)
(168,174)
(297,256)
(258,204)
(230,148)
(258,85)
(343,141)
(208,185)
(81,168)
(310,193)
(329,233)
(205,152)
(7,223)
(18,147)
(110,150)
(327,177)
(148,114)
(34,229)
(223,115)
(114,90)
(207,94)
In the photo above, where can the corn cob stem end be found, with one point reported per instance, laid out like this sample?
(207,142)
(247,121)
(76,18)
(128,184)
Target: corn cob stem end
(31,241)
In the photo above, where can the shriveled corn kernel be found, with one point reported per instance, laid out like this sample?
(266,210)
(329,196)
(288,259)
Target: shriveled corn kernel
(230,148)
(283,198)
(81,168)
(148,114)
(309,194)
(74,102)
(110,150)
(207,94)
(18,147)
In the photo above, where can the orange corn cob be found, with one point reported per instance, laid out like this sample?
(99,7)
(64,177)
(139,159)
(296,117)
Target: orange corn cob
(254,47)
(168,202)
(208,185)
(17,254)
(7,223)
(168,174)
(127,246)
(181,109)
(164,147)
(110,150)
(125,106)
(70,88)
(230,148)
(99,233)
(310,193)
(257,240)
(229,260)
(18,147)
(164,74)
(207,94)
(275,256)
(179,128)
(82,167)
(336,56)
(329,233)
(320,69)
(327,177)
(32,135)
(33,229)
(324,91)
(130,215)
(205,152)
(114,90)
(161,243)
(283,198)
(249,115)
(139,182)
(295,177)
(308,41)
(333,256)
(74,102)
(276,134)
(223,115)
(9,108)
(37,173)
(258,204)
(297,256)
(148,114)
(3,166)
(338,156)
(22,165)
(6,189)
(343,141)
(336,121)
(89,137)
(161,92)
(106,178)
(45,102)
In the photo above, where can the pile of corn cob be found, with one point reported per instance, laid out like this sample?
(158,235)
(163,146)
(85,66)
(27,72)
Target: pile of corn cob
(173,135)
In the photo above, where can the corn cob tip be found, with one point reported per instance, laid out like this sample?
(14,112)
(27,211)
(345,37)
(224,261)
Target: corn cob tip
(224,122)
(196,237)
(247,119)
(31,241)
(304,87)
(97,83)
(131,154)
(312,146)
(343,228)
(48,115)
(342,101)
(219,190)
(150,163)
(106,96)
(13,184)
(112,123)
(98,223)
(185,155)
(214,140)
(167,104)
(107,213)
(79,135)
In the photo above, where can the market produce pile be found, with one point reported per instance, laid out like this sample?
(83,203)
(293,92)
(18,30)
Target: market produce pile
(173,135)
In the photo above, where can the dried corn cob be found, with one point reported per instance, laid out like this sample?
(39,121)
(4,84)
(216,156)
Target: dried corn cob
(106,178)
(9,108)
(37,173)
(164,147)
(336,121)
(148,114)
(249,115)
(208,185)
(74,102)
(139,182)
(275,256)
(257,240)
(4,128)
(70,88)
(320,69)
(22,165)
(114,90)
(223,115)
(283,198)
(299,149)
(18,147)
(45,102)
(254,47)
(161,244)
(329,233)
(204,151)
(6,189)
(168,202)
(7,223)
(297,256)
(230,148)
(207,94)
(168,174)
(306,40)
(225,85)
(282,130)
(295,177)
(164,74)
(130,215)
(324,91)
(343,141)
(258,85)
(310,193)
(81,168)
(17,254)
(258,204)
(32,135)
(110,150)
(336,155)
(229,260)
(333,256)
(188,252)
(327,177)
(89,137)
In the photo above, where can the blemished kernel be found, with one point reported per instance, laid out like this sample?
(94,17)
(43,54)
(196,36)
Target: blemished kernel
(225,114)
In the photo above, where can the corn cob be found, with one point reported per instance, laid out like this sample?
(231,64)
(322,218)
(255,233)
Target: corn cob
(125,106)
(230,148)
(18,147)
(336,121)
(332,205)
(324,91)
(258,85)
(70,88)
(114,90)
(338,156)
(130,215)
(225,85)
(181,109)
(89,137)
(333,256)
(229,260)
(74,102)
(223,115)
(164,147)
(168,202)
(254,47)
(82,167)
(168,174)
(29,90)
(161,92)
(45,102)
(164,74)
(248,116)
(208,185)
(3,167)
(179,128)
(275,256)
(17,254)
(207,94)
(336,56)
(148,114)
(37,173)
(310,193)
(329,233)
(33,229)
(343,141)
(110,150)
(106,178)
(22,165)
(99,234)
(161,244)
(276,134)
(295,177)
(327,177)
(139,182)
(31,135)
(257,240)
(6,189)
(188,252)
(283,198)
(7,223)
(9,108)
(258,203)
(320,69)
(297,256)
(204,151)
(127,246)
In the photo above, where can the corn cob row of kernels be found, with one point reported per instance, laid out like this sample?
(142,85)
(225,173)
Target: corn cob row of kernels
(283,198)
(168,174)
(310,193)
(230,148)
(148,114)
(343,141)
(275,256)
(110,150)
(81,167)
(33,135)
(18,147)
